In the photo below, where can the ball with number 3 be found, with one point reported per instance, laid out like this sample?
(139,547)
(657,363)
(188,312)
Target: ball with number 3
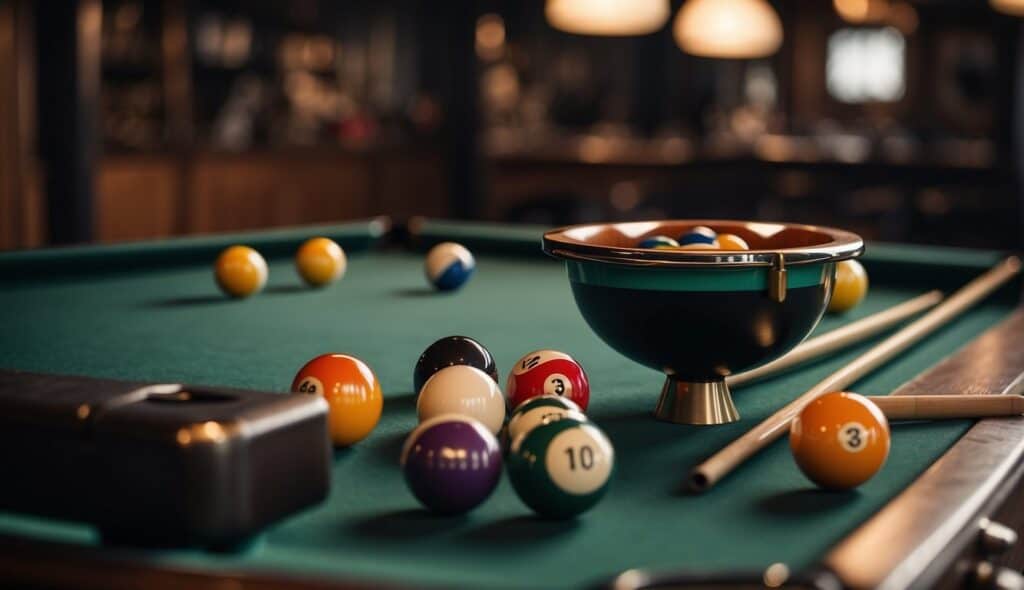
(840,440)
(562,467)
(547,372)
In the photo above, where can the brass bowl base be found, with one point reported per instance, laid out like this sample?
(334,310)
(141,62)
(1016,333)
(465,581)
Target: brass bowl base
(688,402)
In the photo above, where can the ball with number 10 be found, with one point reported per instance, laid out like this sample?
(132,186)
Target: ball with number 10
(562,467)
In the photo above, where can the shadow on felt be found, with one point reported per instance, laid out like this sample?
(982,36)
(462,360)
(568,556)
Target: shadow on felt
(415,292)
(806,501)
(399,402)
(388,450)
(189,300)
(289,289)
(400,525)
(640,431)
(520,530)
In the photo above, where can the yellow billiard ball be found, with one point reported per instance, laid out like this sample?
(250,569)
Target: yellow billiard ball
(353,394)
(851,286)
(320,261)
(840,440)
(240,271)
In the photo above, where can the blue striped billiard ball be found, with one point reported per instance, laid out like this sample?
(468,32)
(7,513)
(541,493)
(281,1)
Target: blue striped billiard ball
(449,266)
(698,235)
(658,242)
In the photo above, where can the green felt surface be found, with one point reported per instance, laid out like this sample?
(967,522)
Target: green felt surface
(170,323)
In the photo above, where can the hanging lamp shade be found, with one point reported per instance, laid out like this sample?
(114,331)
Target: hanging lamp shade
(1011,7)
(862,11)
(738,29)
(607,17)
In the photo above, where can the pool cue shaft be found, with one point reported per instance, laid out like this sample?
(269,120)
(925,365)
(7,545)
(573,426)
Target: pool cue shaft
(708,473)
(936,407)
(848,335)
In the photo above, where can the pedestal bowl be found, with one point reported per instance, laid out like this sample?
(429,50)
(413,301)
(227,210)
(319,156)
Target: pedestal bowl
(701,315)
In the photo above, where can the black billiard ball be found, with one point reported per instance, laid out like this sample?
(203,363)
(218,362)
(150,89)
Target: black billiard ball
(449,351)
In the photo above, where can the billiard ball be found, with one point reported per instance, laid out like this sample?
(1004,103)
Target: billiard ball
(840,440)
(698,235)
(462,390)
(452,350)
(320,261)
(658,242)
(547,372)
(353,394)
(451,463)
(449,265)
(240,271)
(561,468)
(851,286)
(731,242)
(538,409)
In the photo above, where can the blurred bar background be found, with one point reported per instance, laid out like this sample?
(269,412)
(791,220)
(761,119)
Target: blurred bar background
(130,119)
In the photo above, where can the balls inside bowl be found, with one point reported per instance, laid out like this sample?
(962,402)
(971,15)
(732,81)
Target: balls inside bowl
(701,315)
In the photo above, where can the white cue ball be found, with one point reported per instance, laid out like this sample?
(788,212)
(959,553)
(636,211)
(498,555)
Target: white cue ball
(463,390)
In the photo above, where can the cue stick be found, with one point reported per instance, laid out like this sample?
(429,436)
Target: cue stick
(936,407)
(708,473)
(848,335)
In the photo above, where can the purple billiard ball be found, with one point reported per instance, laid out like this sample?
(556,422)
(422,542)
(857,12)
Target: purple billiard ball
(452,463)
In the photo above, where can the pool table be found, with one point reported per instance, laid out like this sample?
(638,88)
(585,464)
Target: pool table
(151,312)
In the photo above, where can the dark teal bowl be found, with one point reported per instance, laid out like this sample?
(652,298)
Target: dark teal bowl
(701,315)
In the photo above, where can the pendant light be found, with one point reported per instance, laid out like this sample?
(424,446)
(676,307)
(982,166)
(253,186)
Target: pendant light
(738,29)
(1011,7)
(607,17)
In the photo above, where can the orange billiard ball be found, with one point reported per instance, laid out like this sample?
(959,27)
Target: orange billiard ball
(840,440)
(240,271)
(320,261)
(851,286)
(731,242)
(352,391)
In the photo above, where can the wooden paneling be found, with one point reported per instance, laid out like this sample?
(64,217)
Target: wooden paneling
(243,192)
(10,217)
(155,196)
(137,198)
(21,209)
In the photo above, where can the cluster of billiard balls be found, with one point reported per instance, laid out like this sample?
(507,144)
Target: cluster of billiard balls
(851,282)
(696,238)
(558,461)
(241,271)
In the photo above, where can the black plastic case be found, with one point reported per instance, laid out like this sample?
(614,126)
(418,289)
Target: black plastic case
(159,464)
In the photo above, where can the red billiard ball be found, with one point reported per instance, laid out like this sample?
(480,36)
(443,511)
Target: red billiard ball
(547,372)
